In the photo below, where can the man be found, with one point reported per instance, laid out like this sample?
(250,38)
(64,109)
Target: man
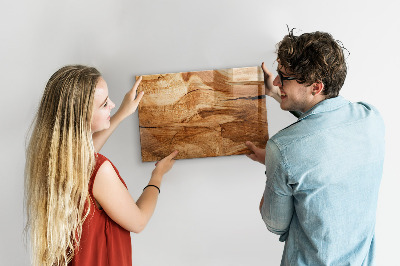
(323,171)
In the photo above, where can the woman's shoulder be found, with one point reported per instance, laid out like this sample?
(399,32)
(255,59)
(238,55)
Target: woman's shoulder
(105,167)
(102,164)
(99,161)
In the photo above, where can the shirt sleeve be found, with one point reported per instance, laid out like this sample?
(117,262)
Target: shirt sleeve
(277,209)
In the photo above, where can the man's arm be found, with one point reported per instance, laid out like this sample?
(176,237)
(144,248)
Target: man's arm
(261,203)
(276,206)
(276,211)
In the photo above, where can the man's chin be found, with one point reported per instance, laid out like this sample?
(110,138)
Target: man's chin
(285,108)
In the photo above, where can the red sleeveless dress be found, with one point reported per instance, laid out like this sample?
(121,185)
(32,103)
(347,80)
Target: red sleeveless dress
(103,241)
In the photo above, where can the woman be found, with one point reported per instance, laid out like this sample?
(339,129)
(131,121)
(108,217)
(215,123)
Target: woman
(78,207)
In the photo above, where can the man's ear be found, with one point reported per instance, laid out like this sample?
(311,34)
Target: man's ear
(317,88)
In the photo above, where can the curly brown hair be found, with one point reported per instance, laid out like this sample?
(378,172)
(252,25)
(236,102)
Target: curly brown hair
(314,57)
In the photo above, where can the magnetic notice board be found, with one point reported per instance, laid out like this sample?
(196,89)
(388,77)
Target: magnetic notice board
(202,114)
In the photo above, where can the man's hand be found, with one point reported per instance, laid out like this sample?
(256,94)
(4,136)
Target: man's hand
(258,154)
(270,89)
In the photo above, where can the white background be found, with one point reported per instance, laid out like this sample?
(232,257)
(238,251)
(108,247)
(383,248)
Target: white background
(208,208)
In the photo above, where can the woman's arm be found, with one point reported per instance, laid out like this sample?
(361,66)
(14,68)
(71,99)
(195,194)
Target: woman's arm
(128,107)
(116,201)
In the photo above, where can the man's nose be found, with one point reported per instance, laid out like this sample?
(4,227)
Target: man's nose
(277,81)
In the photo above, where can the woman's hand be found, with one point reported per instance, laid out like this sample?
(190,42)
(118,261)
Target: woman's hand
(270,89)
(128,107)
(131,101)
(163,166)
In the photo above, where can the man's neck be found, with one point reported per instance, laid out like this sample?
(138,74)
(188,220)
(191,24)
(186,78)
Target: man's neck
(316,100)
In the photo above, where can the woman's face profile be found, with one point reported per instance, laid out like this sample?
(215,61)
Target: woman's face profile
(102,106)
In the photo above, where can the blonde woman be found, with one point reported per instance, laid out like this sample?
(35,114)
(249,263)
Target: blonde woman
(78,207)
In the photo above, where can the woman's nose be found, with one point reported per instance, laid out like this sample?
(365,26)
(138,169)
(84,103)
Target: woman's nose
(112,105)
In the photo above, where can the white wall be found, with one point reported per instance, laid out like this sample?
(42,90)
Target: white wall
(208,208)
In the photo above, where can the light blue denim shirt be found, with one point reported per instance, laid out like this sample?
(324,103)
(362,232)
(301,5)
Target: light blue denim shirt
(323,175)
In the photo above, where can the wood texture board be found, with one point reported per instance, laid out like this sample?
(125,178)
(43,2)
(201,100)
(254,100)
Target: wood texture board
(202,114)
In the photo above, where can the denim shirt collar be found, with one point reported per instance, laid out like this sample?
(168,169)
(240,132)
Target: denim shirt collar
(325,106)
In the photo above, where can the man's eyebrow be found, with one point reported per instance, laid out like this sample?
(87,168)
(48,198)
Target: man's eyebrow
(283,74)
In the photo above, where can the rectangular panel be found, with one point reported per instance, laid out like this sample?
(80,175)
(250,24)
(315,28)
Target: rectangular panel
(202,114)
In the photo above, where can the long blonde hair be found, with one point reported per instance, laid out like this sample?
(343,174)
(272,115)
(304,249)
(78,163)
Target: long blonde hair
(59,161)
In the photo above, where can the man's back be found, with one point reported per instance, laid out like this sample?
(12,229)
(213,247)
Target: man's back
(329,165)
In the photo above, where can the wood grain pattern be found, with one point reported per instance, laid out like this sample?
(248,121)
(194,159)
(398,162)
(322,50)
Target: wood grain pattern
(202,114)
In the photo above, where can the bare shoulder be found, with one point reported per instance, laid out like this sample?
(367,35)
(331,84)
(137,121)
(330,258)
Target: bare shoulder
(114,198)
(106,179)
(106,169)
